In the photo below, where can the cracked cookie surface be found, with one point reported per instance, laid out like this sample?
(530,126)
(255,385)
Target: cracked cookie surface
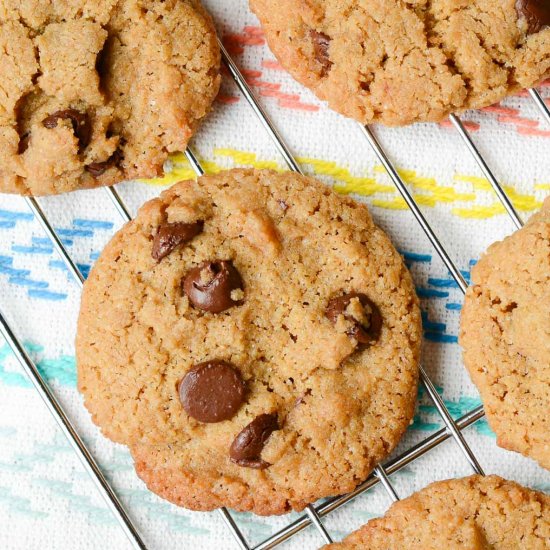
(505,336)
(398,62)
(473,513)
(212,341)
(138,74)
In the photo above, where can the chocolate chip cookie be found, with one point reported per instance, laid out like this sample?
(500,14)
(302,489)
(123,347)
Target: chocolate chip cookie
(97,92)
(474,513)
(505,335)
(254,339)
(402,62)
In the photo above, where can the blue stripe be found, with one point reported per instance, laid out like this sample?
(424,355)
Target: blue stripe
(442,283)
(31,249)
(63,232)
(413,257)
(84,269)
(430,325)
(12,272)
(94,224)
(28,282)
(430,293)
(43,241)
(94,256)
(6,260)
(440,338)
(46,295)
(57,264)
(5,224)
(453,307)
(13,215)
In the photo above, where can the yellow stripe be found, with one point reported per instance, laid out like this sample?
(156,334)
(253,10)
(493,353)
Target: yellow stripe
(431,194)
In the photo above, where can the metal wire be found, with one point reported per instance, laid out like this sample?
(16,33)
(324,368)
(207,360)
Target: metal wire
(385,480)
(313,515)
(56,241)
(540,103)
(316,521)
(56,410)
(499,191)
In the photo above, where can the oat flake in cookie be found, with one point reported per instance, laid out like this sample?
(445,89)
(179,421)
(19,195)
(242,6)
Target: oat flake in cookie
(473,513)
(96,92)
(505,336)
(263,357)
(399,62)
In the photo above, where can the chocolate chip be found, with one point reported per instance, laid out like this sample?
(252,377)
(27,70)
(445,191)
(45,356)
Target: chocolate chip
(171,235)
(212,391)
(321,43)
(209,286)
(248,445)
(80,121)
(365,333)
(535,12)
(96,169)
(24,143)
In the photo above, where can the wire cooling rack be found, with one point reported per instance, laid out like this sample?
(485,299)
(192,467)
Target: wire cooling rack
(314,514)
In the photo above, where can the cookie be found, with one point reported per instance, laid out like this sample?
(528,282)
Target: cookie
(505,336)
(473,513)
(97,92)
(254,339)
(416,61)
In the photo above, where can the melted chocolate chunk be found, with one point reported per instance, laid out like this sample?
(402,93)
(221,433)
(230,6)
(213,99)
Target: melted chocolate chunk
(535,12)
(209,286)
(81,125)
(321,43)
(96,169)
(212,391)
(171,235)
(364,334)
(248,445)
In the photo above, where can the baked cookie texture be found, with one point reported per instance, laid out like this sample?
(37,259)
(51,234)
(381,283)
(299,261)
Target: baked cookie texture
(97,92)
(209,341)
(473,513)
(398,62)
(505,336)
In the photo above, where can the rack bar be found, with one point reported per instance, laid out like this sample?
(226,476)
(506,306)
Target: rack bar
(56,241)
(120,206)
(260,112)
(402,188)
(56,410)
(497,188)
(316,521)
(541,104)
(385,480)
(232,526)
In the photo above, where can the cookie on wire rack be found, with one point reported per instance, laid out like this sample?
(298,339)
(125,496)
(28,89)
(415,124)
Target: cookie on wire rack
(505,336)
(473,513)
(403,62)
(254,339)
(97,92)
